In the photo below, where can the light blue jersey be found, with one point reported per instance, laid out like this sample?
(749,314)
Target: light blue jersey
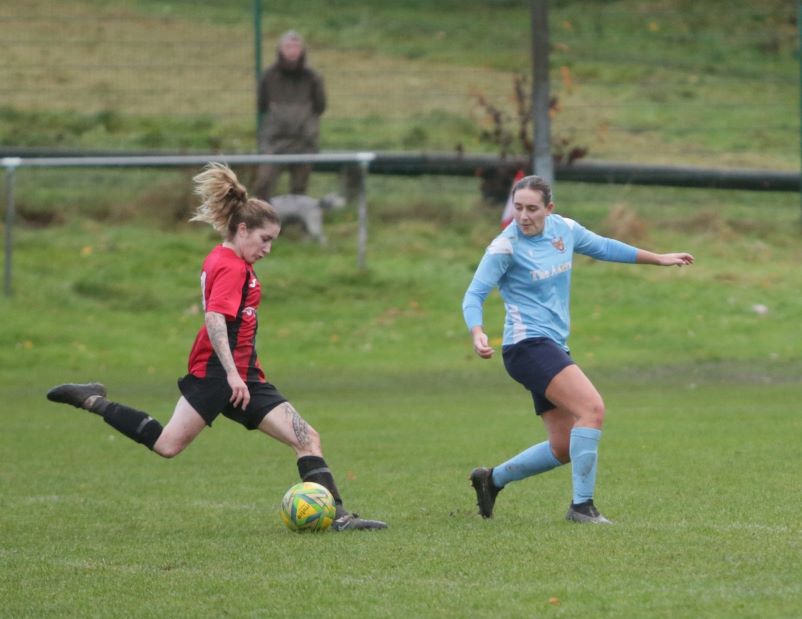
(533,275)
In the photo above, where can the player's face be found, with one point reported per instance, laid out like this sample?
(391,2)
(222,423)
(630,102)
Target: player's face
(255,243)
(530,212)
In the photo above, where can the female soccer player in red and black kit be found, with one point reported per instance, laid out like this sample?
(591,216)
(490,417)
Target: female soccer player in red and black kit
(224,372)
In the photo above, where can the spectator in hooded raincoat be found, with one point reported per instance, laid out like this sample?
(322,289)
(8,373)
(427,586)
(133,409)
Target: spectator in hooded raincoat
(291,100)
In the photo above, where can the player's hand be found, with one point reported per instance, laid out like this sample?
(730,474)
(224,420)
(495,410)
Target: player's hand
(480,344)
(678,259)
(240,396)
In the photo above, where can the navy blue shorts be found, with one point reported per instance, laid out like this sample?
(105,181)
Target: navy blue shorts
(533,363)
(210,397)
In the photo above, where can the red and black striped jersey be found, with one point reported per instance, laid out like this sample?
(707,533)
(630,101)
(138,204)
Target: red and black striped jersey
(229,287)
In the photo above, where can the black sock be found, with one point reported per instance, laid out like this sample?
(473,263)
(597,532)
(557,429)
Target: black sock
(134,424)
(584,506)
(314,469)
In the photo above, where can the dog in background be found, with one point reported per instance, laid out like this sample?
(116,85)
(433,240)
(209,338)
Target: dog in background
(307,210)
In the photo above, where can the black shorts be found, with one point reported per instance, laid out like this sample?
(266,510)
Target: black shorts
(533,363)
(211,396)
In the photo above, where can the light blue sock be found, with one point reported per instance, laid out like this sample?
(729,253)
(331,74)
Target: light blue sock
(584,451)
(536,459)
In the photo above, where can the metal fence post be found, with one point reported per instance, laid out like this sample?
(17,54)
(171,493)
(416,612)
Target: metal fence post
(257,59)
(541,123)
(10,165)
(362,210)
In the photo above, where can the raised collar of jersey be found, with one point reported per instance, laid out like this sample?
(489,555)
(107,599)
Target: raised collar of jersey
(536,238)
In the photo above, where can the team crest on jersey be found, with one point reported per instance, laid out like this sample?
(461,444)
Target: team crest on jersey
(558,244)
(253,283)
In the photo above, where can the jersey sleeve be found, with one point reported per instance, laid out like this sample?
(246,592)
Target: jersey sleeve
(224,290)
(599,247)
(491,269)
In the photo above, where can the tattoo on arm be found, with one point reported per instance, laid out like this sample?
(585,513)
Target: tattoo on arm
(218,335)
(299,426)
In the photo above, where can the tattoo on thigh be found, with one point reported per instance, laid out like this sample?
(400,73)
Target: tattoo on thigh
(299,426)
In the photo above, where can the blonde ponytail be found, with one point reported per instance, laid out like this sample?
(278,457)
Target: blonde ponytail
(221,194)
(225,203)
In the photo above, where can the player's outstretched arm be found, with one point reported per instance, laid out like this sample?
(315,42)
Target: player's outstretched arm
(664,260)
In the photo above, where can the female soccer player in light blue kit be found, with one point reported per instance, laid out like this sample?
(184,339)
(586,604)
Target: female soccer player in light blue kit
(530,262)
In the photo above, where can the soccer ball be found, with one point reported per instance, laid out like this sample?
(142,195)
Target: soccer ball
(307,507)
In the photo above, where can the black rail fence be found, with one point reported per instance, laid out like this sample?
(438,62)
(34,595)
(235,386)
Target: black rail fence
(360,164)
(456,164)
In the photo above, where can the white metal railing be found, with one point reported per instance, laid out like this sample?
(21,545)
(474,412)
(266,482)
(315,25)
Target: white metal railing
(12,164)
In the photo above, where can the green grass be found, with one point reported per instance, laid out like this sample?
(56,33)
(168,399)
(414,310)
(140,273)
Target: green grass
(696,480)
(698,462)
(659,81)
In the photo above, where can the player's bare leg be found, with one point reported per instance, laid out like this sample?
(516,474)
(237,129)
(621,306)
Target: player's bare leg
(185,424)
(285,424)
(575,396)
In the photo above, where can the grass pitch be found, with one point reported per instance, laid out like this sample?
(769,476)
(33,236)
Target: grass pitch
(698,465)
(697,480)
(699,459)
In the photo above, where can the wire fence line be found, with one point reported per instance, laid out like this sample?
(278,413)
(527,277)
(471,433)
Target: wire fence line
(139,62)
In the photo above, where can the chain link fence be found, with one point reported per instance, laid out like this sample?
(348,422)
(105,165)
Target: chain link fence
(708,84)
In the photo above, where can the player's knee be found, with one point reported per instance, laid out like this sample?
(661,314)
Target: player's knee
(599,412)
(167,452)
(593,414)
(168,448)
